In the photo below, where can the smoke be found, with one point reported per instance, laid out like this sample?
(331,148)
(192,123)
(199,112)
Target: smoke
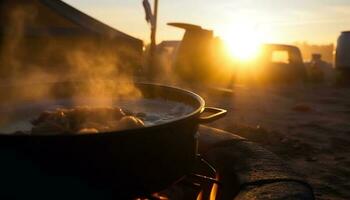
(36,62)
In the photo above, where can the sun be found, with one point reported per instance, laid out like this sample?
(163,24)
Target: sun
(242,41)
(242,47)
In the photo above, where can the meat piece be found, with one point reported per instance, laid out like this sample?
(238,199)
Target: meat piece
(82,115)
(59,117)
(42,117)
(130,122)
(84,120)
(88,131)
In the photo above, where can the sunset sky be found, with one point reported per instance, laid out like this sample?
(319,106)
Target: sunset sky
(278,21)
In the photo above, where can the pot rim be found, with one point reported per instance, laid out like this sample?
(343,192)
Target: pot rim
(190,116)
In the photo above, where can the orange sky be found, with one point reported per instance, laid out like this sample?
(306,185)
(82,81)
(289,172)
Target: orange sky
(275,21)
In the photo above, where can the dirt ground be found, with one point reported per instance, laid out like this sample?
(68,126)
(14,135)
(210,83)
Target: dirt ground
(307,126)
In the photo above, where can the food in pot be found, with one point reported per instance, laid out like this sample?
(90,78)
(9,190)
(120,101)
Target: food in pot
(151,112)
(84,120)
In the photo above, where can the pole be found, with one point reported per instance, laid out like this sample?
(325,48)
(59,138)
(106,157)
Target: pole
(154,27)
(151,67)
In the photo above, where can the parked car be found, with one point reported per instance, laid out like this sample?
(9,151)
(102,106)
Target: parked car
(200,58)
(281,63)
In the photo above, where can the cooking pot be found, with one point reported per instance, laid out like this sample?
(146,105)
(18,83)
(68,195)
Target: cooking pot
(130,162)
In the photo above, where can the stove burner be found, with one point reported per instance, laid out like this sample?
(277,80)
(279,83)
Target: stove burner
(197,185)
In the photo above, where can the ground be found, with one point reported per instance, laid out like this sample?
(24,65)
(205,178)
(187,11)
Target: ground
(307,126)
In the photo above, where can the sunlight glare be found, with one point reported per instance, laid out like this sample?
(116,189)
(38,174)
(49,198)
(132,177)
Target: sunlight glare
(242,41)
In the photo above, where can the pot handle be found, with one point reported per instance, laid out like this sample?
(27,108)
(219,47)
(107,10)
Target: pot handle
(217,114)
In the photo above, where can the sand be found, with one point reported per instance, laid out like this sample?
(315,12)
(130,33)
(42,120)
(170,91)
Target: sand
(307,126)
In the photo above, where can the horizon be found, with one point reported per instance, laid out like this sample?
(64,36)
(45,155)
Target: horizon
(270,21)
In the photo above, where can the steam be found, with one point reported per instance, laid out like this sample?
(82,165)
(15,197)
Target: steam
(94,63)
(13,38)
